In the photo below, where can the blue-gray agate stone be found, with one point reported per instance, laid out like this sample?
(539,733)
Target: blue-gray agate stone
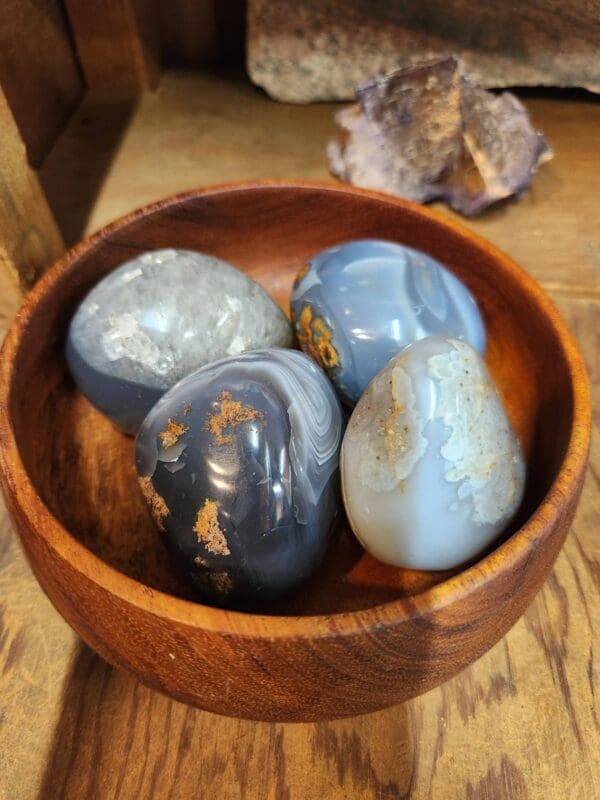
(239,465)
(357,305)
(157,318)
(432,470)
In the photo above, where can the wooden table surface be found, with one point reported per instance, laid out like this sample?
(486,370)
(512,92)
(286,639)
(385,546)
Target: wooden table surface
(523,722)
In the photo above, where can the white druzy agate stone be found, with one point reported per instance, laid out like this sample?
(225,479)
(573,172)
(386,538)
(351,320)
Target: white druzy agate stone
(432,470)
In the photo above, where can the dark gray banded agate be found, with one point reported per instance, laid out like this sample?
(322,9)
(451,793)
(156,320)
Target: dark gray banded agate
(239,465)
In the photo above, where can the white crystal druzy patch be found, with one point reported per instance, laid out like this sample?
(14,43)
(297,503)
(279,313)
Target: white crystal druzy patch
(432,470)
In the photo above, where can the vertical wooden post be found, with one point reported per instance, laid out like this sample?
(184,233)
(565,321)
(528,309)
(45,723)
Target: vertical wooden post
(39,73)
(117,43)
(29,237)
(189,32)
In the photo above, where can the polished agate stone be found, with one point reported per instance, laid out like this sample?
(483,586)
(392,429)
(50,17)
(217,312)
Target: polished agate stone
(239,465)
(357,305)
(432,471)
(157,318)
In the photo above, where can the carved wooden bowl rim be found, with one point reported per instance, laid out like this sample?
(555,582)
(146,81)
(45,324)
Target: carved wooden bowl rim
(18,486)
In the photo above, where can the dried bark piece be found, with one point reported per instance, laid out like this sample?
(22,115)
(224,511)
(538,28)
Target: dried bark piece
(426,132)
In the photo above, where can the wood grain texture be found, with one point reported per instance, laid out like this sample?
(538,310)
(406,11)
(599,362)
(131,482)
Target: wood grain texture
(75,728)
(365,640)
(188,32)
(29,238)
(197,32)
(117,42)
(502,728)
(39,73)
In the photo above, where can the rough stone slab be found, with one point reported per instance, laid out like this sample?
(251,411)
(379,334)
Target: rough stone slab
(324,49)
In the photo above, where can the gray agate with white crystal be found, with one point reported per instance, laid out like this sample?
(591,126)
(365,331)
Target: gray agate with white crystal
(432,470)
(157,318)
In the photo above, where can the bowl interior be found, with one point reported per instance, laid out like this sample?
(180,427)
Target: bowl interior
(82,467)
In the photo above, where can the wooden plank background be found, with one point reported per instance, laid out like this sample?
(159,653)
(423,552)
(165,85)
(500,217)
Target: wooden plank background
(29,237)
(39,72)
(53,51)
(523,723)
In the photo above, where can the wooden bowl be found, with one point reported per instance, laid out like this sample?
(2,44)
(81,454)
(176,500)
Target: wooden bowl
(361,636)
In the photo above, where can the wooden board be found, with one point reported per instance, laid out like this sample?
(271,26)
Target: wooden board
(523,723)
(188,31)
(29,238)
(196,32)
(123,44)
(39,73)
(117,43)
